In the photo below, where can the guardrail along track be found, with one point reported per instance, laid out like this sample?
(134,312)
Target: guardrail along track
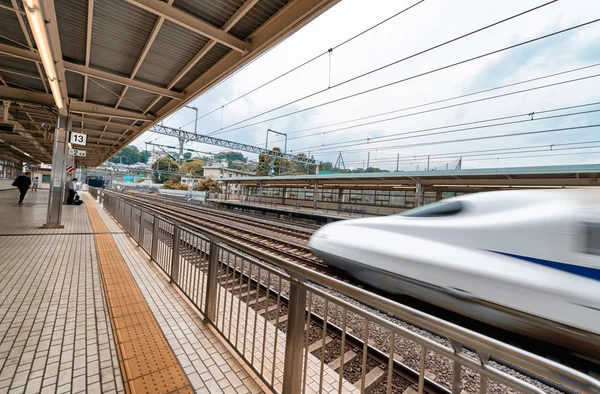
(320,340)
(296,249)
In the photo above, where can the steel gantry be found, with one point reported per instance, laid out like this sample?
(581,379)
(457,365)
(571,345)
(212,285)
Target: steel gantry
(205,139)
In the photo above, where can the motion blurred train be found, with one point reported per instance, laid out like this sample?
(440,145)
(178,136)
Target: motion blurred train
(527,261)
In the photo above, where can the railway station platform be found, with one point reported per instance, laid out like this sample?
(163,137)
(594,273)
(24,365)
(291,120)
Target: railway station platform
(83,310)
(319,216)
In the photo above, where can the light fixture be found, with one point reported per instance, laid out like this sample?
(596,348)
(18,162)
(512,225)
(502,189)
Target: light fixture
(38,28)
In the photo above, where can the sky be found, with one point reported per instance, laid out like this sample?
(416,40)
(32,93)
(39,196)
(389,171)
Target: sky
(550,136)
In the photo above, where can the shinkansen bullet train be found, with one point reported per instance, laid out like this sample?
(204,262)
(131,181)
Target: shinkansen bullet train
(526,261)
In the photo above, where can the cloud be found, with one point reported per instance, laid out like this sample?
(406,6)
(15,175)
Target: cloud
(423,26)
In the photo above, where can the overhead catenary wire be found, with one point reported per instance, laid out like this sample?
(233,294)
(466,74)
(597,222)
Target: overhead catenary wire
(362,92)
(320,148)
(306,62)
(447,99)
(469,139)
(483,152)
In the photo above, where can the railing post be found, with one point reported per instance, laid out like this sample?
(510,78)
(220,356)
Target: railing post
(210,306)
(154,247)
(141,230)
(175,257)
(294,344)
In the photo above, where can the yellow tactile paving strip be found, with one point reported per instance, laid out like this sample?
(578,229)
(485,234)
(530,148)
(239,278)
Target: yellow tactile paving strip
(147,362)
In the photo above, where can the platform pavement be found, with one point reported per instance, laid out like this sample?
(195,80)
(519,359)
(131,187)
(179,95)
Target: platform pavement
(56,332)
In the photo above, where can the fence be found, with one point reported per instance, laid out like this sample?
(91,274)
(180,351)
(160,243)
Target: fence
(238,290)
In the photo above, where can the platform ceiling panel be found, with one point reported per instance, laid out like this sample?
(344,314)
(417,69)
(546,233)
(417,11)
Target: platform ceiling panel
(215,12)
(257,15)
(75,85)
(210,59)
(147,59)
(10,29)
(119,33)
(172,49)
(136,100)
(72,27)
(103,92)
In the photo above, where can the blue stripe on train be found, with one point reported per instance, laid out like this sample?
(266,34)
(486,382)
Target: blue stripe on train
(587,272)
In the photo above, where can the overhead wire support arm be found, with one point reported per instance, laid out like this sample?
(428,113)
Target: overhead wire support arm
(177,133)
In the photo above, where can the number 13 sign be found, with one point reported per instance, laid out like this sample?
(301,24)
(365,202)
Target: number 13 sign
(78,139)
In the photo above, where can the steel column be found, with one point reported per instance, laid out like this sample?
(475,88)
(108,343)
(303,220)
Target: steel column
(210,306)
(154,246)
(294,343)
(58,175)
(141,230)
(175,257)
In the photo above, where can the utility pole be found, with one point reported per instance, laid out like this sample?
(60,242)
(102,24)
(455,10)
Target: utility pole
(427,162)
(368,159)
(182,139)
(397,162)
(181,142)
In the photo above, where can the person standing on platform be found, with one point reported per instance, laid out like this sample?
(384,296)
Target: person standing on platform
(22,183)
(72,193)
(35,183)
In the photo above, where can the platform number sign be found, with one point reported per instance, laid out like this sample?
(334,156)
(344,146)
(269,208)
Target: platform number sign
(78,139)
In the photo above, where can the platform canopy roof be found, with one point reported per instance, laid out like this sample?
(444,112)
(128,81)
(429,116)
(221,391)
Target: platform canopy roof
(585,175)
(119,66)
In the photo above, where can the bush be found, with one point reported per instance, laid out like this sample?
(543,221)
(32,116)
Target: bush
(171,184)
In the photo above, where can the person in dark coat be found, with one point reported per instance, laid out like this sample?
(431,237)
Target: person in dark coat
(22,183)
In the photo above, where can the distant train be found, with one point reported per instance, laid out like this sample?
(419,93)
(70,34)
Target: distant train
(527,261)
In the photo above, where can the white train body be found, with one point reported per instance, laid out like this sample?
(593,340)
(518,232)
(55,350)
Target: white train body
(528,261)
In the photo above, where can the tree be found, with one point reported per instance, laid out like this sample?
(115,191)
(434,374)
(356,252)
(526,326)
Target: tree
(187,155)
(162,165)
(208,185)
(193,167)
(325,166)
(264,165)
(301,168)
(231,156)
(128,155)
(144,156)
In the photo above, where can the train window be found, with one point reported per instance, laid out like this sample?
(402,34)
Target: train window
(435,210)
(592,238)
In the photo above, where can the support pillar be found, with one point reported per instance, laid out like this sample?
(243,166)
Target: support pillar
(58,175)
(418,195)
(315,192)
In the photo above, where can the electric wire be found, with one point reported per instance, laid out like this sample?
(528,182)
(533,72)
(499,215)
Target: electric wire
(368,142)
(308,61)
(445,100)
(469,139)
(362,92)
(483,152)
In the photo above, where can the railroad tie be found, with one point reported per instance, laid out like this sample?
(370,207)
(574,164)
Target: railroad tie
(372,379)
(247,293)
(256,301)
(269,309)
(281,319)
(348,356)
(319,344)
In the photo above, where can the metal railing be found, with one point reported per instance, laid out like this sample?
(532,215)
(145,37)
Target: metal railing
(97,193)
(238,290)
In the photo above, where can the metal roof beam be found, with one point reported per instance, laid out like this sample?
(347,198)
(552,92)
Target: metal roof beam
(91,72)
(192,23)
(75,105)
(96,109)
(28,39)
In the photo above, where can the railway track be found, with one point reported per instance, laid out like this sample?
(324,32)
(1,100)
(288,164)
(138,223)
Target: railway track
(315,332)
(297,251)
